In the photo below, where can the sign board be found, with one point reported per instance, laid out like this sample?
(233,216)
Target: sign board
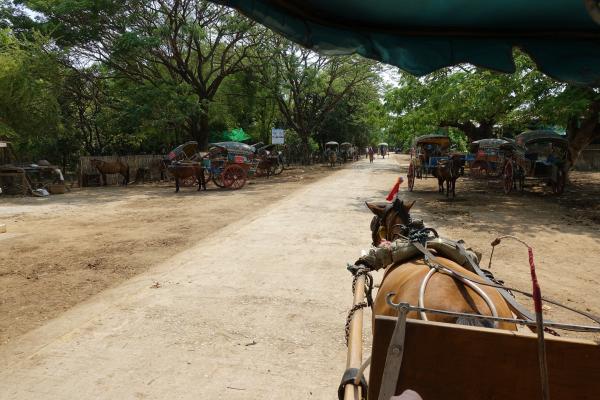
(3,144)
(277,136)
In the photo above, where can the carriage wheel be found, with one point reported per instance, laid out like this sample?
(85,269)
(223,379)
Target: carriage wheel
(189,181)
(411,177)
(559,186)
(234,177)
(218,180)
(278,168)
(507,177)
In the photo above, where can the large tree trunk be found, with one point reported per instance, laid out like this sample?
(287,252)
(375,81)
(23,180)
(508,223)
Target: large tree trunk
(484,129)
(583,131)
(306,158)
(203,132)
(199,130)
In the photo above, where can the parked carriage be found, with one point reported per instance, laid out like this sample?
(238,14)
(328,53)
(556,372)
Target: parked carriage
(332,153)
(347,151)
(427,151)
(536,156)
(274,157)
(486,158)
(231,163)
(383,149)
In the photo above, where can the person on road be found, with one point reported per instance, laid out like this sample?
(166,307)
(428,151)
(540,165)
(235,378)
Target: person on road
(371,154)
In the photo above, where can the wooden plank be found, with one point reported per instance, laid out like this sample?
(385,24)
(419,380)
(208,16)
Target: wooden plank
(446,361)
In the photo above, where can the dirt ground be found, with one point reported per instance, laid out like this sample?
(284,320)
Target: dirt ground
(63,249)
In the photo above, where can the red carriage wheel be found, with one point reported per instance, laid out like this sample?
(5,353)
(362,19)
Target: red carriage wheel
(189,181)
(234,177)
(411,176)
(508,177)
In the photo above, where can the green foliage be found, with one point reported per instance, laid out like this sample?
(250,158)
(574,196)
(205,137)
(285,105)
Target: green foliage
(482,103)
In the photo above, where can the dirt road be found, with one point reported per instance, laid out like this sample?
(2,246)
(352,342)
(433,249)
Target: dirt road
(63,249)
(256,309)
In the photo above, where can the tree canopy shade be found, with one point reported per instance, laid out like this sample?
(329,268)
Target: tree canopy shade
(561,36)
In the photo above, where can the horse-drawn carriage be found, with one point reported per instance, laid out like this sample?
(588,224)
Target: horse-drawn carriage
(226,164)
(383,149)
(348,152)
(487,158)
(332,150)
(274,162)
(426,153)
(231,163)
(538,156)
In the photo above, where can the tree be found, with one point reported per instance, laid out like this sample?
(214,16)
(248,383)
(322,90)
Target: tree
(186,42)
(307,86)
(483,103)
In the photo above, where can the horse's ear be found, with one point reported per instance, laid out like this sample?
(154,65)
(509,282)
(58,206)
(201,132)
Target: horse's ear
(407,207)
(377,208)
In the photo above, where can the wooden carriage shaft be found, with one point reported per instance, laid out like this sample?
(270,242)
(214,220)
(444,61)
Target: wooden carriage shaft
(354,357)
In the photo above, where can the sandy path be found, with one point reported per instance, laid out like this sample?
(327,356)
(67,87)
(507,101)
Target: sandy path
(63,249)
(256,311)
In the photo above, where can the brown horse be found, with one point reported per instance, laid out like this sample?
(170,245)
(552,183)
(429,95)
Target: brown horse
(111,167)
(183,170)
(448,171)
(442,291)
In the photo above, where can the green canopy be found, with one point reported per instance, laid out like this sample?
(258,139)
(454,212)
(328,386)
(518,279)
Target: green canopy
(562,36)
(234,135)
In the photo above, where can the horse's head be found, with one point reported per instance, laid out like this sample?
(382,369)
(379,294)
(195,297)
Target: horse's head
(390,221)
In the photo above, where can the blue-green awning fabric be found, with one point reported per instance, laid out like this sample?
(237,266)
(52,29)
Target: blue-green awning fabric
(420,36)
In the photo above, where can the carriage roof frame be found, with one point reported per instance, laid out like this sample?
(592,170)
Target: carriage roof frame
(441,140)
(541,136)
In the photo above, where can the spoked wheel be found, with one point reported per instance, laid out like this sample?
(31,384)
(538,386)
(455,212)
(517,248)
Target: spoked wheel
(218,180)
(189,181)
(558,187)
(278,168)
(508,177)
(234,177)
(411,177)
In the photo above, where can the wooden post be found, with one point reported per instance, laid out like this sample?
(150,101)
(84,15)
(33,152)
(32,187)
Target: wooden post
(354,358)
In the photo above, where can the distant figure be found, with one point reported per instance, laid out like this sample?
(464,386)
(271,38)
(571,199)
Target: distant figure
(371,154)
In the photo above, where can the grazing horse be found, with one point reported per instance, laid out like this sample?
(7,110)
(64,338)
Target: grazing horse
(448,171)
(111,167)
(183,170)
(442,291)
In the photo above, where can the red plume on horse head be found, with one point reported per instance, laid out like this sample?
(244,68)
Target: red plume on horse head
(395,189)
